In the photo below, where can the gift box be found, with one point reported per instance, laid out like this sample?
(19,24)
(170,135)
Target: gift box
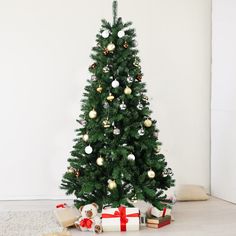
(120,219)
(66,216)
(158,222)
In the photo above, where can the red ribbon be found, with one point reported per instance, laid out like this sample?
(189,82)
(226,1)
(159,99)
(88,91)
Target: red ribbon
(63,205)
(121,213)
(164,212)
(86,222)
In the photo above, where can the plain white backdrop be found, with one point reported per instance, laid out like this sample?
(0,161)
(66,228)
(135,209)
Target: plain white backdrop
(44,56)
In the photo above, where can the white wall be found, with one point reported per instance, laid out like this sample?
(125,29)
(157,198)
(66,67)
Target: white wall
(224,100)
(44,56)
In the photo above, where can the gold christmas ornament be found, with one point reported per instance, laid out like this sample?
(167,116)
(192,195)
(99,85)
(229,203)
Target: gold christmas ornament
(112,184)
(92,114)
(110,97)
(128,90)
(126,45)
(111,47)
(147,123)
(100,161)
(85,137)
(145,98)
(151,174)
(106,123)
(106,69)
(99,89)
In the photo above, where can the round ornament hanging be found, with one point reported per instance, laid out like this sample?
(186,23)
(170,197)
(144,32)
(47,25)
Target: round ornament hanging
(93,78)
(100,161)
(126,45)
(111,184)
(115,83)
(147,123)
(141,131)
(128,90)
(88,149)
(130,79)
(105,34)
(92,114)
(131,157)
(85,137)
(111,47)
(121,34)
(116,131)
(151,174)
(70,170)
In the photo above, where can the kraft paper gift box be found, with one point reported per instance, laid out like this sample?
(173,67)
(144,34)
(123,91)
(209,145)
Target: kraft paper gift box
(66,216)
(120,219)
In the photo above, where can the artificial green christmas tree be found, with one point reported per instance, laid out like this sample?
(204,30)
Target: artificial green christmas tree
(116,157)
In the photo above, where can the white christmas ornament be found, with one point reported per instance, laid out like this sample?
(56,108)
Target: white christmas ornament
(131,157)
(141,131)
(121,34)
(130,79)
(116,131)
(140,106)
(105,34)
(115,84)
(123,106)
(151,174)
(88,149)
(111,184)
(92,114)
(100,161)
(111,47)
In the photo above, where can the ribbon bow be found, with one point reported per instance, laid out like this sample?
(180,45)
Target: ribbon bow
(121,213)
(86,222)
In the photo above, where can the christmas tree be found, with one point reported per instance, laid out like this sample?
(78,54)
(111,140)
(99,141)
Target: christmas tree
(116,158)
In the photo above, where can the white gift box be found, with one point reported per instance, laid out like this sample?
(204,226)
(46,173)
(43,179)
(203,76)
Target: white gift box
(120,219)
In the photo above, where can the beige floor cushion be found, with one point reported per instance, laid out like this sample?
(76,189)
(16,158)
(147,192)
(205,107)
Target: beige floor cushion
(191,193)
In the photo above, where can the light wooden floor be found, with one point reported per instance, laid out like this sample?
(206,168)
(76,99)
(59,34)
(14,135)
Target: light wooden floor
(209,218)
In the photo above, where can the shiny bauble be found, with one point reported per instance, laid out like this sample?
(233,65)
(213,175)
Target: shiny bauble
(140,106)
(110,97)
(128,90)
(123,106)
(121,34)
(131,157)
(93,78)
(100,161)
(111,47)
(147,123)
(70,170)
(105,34)
(151,174)
(106,69)
(130,79)
(85,137)
(136,63)
(116,131)
(99,89)
(106,123)
(112,184)
(105,105)
(145,98)
(92,114)
(115,83)
(141,131)
(88,150)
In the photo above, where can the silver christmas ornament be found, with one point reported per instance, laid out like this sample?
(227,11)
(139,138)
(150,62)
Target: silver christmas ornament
(93,78)
(141,131)
(105,34)
(151,174)
(116,131)
(130,79)
(106,105)
(131,157)
(106,69)
(121,34)
(111,77)
(140,106)
(88,149)
(115,83)
(123,106)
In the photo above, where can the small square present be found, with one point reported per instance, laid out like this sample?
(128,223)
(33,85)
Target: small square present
(120,219)
(66,216)
(159,221)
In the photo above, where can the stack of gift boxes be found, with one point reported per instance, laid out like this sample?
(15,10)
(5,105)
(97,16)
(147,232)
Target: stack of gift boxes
(118,219)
